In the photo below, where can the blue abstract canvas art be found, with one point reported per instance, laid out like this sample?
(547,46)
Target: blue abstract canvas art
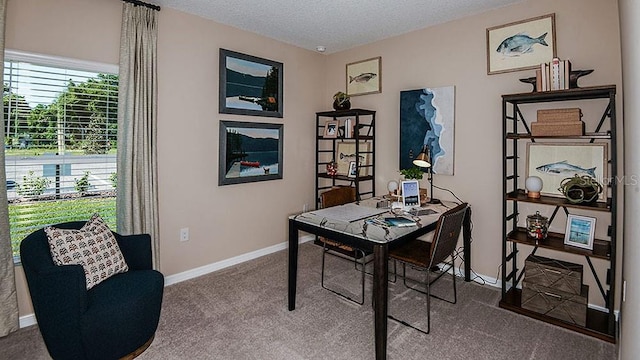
(427,118)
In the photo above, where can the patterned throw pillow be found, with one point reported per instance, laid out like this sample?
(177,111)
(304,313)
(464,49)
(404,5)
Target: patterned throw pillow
(93,246)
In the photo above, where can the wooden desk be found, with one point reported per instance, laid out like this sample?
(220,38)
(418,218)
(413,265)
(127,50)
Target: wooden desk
(377,240)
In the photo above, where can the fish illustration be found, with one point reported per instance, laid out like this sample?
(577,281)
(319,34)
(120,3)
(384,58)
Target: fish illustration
(364,77)
(519,44)
(565,169)
(345,156)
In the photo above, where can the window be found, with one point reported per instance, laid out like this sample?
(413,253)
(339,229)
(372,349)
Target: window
(60,124)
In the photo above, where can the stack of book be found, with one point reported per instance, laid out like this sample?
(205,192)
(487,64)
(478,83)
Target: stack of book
(553,75)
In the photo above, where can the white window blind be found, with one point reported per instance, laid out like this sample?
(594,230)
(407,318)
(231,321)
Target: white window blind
(60,124)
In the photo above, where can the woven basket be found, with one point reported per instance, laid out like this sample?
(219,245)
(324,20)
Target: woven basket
(557,115)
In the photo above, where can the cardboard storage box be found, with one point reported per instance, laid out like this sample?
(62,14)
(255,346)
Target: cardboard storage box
(555,115)
(554,274)
(560,128)
(571,308)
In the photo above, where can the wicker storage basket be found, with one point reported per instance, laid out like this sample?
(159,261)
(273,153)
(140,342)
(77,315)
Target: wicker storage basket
(555,115)
(560,128)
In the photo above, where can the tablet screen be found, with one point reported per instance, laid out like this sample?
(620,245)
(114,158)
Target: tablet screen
(410,193)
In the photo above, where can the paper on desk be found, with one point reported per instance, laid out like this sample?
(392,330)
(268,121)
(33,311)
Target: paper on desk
(348,212)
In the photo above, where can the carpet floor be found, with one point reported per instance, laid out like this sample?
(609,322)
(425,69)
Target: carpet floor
(241,313)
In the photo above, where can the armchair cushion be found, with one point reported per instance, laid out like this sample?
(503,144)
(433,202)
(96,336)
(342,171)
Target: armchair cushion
(93,246)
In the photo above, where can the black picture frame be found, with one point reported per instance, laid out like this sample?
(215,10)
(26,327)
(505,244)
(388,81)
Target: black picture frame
(249,152)
(247,85)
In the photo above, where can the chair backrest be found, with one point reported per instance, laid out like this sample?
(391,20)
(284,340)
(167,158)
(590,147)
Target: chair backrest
(338,196)
(445,238)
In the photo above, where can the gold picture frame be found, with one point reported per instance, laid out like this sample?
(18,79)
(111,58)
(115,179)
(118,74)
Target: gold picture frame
(521,45)
(364,77)
(331,129)
(346,152)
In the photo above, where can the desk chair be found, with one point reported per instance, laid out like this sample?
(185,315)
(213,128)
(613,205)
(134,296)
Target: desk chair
(424,255)
(334,197)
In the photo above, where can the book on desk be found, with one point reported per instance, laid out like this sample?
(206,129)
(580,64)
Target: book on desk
(399,221)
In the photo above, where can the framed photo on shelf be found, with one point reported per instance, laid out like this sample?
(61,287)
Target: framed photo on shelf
(250,85)
(331,129)
(353,169)
(554,162)
(521,45)
(364,77)
(580,231)
(249,152)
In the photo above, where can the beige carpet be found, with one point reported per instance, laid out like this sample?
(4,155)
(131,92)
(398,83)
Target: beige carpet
(241,313)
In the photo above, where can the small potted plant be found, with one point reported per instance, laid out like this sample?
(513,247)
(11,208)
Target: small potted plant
(341,101)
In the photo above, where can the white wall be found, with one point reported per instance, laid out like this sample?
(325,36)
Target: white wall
(630,308)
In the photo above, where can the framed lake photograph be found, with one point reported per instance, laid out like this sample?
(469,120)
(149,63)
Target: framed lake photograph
(521,45)
(580,231)
(250,85)
(364,77)
(554,162)
(249,152)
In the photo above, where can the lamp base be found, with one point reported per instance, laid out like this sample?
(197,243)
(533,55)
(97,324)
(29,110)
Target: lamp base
(434,201)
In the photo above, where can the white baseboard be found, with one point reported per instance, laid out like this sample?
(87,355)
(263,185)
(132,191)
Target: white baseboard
(199,271)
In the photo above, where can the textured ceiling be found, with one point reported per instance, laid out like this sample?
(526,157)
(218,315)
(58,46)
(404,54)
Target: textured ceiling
(335,24)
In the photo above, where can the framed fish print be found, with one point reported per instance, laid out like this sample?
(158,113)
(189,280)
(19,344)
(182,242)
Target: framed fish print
(554,162)
(364,77)
(521,45)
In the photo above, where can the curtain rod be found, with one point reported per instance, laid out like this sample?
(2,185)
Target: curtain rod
(140,3)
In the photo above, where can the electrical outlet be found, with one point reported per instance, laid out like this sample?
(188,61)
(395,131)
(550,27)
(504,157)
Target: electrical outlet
(184,234)
(624,291)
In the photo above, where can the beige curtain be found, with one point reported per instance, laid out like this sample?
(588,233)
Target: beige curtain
(137,199)
(8,297)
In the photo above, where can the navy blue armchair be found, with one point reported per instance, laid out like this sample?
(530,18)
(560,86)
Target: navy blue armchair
(115,318)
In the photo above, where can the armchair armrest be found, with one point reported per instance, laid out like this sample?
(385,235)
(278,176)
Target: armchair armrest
(59,297)
(136,250)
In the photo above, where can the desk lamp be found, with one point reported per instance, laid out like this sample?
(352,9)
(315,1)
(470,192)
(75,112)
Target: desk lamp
(423,160)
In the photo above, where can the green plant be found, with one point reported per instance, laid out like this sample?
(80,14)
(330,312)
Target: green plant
(32,185)
(114,180)
(340,97)
(412,173)
(83,183)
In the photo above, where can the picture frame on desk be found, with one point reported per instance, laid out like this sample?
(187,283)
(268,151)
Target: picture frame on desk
(580,231)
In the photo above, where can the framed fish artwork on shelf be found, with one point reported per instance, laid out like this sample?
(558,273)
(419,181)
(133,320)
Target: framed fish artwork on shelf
(364,77)
(554,162)
(521,45)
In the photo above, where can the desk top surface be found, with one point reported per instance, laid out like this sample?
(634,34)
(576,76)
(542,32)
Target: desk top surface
(367,224)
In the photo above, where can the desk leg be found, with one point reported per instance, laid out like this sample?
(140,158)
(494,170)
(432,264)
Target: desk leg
(380,298)
(466,242)
(293,263)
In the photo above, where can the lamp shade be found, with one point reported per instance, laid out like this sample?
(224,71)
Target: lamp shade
(533,184)
(422,160)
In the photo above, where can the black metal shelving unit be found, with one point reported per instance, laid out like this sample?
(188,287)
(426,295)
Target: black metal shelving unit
(516,130)
(326,151)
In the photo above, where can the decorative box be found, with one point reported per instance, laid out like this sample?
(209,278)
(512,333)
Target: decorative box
(571,308)
(554,274)
(560,128)
(559,115)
